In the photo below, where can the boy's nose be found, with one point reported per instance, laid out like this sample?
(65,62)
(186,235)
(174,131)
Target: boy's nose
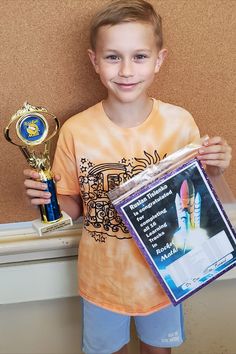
(125,69)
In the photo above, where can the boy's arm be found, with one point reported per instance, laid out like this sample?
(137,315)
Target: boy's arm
(35,190)
(72,205)
(215,153)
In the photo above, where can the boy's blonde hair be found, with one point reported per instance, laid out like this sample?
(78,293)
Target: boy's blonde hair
(120,11)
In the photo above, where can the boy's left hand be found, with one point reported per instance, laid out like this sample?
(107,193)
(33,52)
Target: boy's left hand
(215,153)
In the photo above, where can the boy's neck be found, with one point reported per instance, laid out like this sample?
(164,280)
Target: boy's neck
(128,115)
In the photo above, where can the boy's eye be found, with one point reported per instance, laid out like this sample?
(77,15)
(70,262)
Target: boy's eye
(112,57)
(140,57)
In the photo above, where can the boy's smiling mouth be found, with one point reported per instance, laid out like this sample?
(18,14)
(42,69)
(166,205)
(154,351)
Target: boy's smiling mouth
(126,85)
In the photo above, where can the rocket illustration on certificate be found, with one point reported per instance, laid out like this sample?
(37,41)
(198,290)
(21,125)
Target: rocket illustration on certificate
(181,229)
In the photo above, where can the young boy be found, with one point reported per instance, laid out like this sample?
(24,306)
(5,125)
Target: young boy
(104,146)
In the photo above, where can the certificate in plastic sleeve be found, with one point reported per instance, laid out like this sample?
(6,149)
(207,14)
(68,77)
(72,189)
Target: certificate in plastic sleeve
(181,229)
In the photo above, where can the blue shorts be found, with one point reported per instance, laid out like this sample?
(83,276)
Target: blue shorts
(105,332)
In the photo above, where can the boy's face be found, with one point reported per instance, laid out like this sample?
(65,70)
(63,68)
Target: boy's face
(126,59)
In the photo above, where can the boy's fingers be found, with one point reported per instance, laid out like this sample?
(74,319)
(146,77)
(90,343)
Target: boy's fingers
(215,160)
(31,173)
(32,184)
(215,163)
(38,197)
(57,178)
(33,193)
(226,157)
(214,140)
(215,149)
(40,201)
(213,157)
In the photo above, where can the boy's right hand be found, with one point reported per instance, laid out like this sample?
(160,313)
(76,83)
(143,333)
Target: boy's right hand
(36,190)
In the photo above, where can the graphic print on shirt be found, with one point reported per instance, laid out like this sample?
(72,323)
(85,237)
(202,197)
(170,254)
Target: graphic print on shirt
(100,218)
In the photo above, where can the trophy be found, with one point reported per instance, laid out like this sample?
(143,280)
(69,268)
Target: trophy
(32,129)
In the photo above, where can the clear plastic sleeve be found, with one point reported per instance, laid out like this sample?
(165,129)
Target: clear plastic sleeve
(171,162)
(182,220)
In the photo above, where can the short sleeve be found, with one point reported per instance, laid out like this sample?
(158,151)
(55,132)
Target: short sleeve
(65,163)
(194,133)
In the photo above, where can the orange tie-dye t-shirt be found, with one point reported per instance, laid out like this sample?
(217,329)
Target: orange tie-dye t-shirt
(93,156)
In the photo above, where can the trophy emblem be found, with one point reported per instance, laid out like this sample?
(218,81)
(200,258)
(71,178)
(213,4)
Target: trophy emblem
(31,129)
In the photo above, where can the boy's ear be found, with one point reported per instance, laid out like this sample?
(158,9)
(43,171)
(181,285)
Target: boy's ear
(160,59)
(92,57)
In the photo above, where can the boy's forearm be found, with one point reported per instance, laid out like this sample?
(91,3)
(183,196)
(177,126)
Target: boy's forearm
(214,171)
(72,205)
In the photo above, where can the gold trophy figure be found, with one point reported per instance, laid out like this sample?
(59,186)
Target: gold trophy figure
(35,127)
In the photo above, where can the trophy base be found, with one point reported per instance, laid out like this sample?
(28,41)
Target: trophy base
(45,228)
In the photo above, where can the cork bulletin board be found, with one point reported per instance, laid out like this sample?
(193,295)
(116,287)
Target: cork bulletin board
(43,59)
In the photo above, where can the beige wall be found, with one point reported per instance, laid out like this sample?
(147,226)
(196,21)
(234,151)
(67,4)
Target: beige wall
(43,60)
